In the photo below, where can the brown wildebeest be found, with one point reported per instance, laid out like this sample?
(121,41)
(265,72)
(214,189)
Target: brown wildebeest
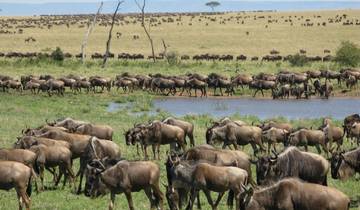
(67,123)
(97,149)
(100,131)
(274,136)
(232,134)
(354,132)
(293,194)
(260,85)
(307,137)
(349,122)
(345,164)
(271,124)
(332,133)
(158,133)
(17,175)
(197,84)
(292,162)
(205,177)
(186,126)
(127,177)
(50,157)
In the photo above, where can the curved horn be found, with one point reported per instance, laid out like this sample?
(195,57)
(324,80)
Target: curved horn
(93,146)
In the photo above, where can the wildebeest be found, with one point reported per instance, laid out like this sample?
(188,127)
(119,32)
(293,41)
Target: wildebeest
(17,175)
(293,194)
(260,85)
(52,156)
(127,177)
(292,162)
(307,137)
(232,134)
(100,131)
(332,133)
(67,123)
(349,122)
(345,164)
(158,133)
(186,126)
(272,124)
(274,136)
(204,176)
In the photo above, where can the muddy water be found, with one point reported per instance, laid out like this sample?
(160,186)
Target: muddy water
(337,108)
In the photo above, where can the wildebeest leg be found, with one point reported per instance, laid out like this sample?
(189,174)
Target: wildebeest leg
(208,196)
(193,195)
(129,199)
(221,194)
(195,92)
(41,169)
(112,200)
(306,148)
(318,148)
(23,198)
(255,149)
(158,151)
(154,150)
(149,195)
(145,152)
(221,92)
(53,172)
(81,173)
(182,91)
(198,203)
(255,92)
(191,137)
(159,196)
(262,92)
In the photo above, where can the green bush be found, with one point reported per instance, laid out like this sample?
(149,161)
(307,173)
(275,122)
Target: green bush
(172,58)
(298,60)
(57,54)
(348,54)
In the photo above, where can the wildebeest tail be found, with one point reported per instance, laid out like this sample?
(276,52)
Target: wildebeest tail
(36,168)
(29,187)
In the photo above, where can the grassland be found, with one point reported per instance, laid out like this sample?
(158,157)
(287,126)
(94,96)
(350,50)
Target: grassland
(20,112)
(197,38)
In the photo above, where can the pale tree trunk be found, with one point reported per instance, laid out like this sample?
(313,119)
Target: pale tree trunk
(84,43)
(142,9)
(110,34)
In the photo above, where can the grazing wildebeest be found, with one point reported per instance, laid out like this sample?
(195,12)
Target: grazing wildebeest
(293,194)
(17,175)
(271,124)
(51,156)
(158,133)
(232,134)
(67,123)
(307,137)
(274,136)
(345,164)
(204,176)
(292,162)
(186,126)
(127,177)
(100,131)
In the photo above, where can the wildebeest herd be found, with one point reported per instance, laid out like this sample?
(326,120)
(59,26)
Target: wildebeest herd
(289,180)
(282,85)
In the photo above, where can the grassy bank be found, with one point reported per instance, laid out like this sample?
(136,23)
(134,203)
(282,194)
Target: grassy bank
(20,112)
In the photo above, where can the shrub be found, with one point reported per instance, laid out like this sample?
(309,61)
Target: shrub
(172,58)
(348,54)
(57,54)
(298,60)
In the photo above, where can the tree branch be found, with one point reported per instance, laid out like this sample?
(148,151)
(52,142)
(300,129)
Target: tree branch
(110,34)
(84,43)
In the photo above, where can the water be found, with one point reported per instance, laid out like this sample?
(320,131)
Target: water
(37,7)
(262,108)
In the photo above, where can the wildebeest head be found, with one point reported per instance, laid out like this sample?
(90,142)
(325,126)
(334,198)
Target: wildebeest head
(265,169)
(93,185)
(335,161)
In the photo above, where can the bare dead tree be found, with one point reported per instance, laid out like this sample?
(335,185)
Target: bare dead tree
(110,34)
(142,9)
(91,27)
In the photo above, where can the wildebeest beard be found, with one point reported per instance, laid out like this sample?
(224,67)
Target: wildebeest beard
(184,171)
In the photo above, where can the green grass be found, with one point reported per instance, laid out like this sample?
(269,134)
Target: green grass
(28,110)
